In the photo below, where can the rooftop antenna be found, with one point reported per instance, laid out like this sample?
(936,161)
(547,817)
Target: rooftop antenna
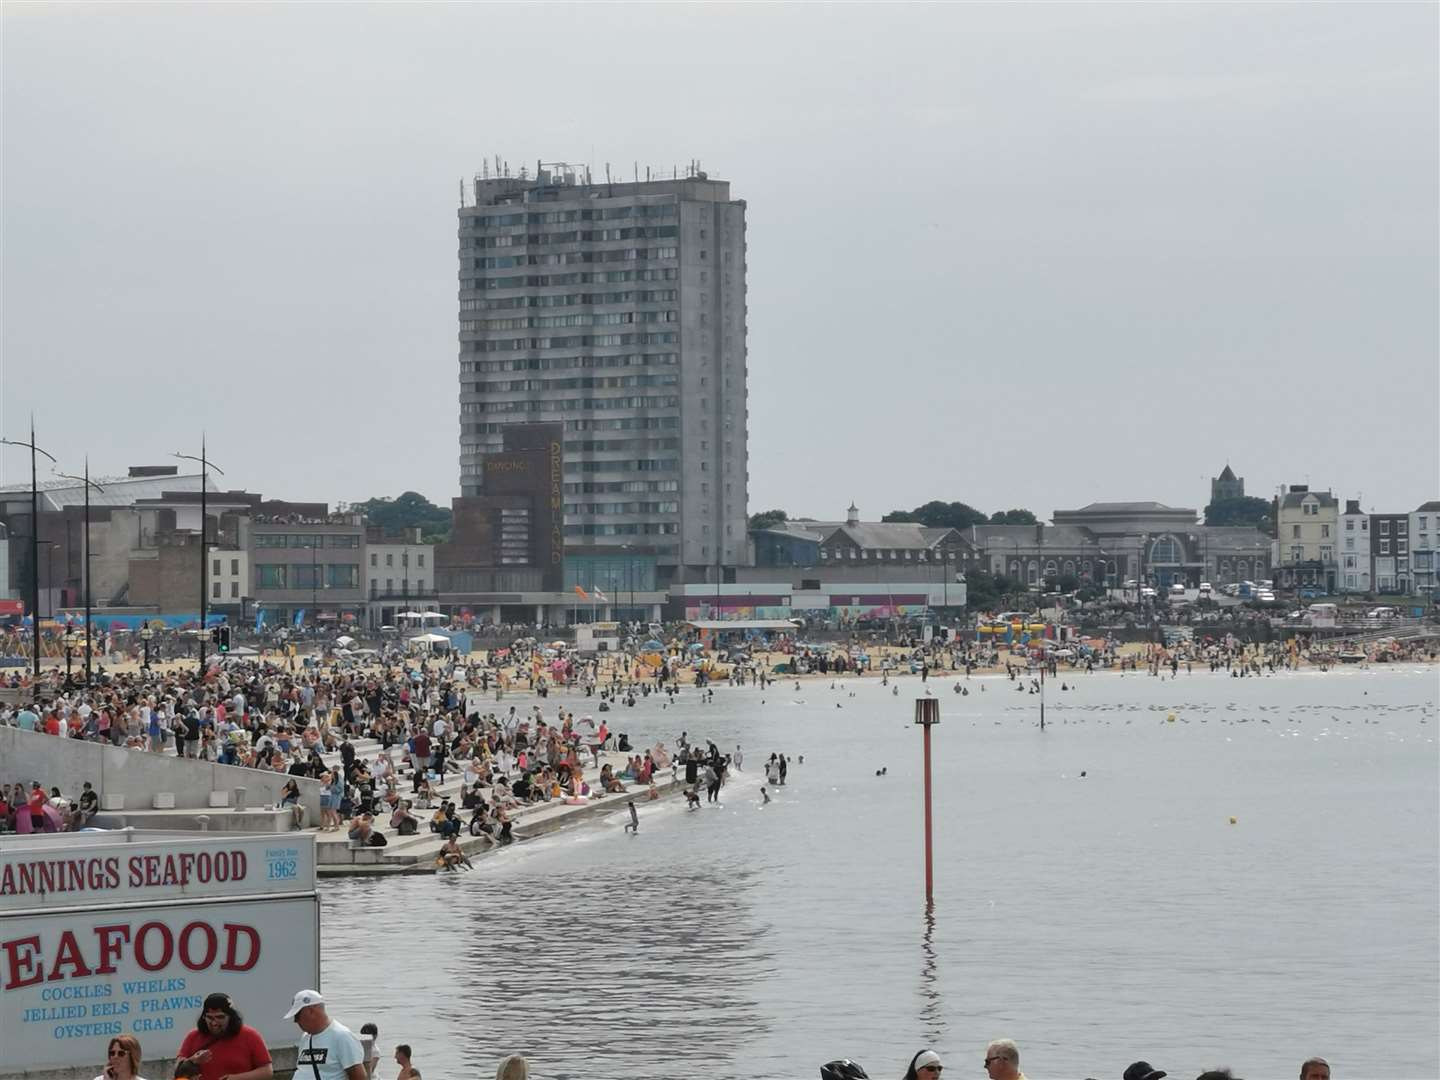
(637,172)
(647,174)
(462,193)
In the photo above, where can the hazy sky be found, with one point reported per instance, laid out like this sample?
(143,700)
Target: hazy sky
(1019,256)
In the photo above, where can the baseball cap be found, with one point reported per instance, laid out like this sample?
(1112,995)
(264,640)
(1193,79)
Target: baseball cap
(303,1000)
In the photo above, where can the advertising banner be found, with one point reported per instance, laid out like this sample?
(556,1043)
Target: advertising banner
(106,870)
(71,981)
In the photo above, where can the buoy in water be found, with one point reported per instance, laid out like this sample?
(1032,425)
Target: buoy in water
(1171,718)
(1234,821)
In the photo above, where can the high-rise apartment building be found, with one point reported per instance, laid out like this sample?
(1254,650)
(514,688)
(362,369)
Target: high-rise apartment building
(617,309)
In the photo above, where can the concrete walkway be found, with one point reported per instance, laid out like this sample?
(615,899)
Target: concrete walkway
(336,855)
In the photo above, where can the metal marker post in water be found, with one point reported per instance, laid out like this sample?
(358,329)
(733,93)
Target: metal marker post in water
(927,715)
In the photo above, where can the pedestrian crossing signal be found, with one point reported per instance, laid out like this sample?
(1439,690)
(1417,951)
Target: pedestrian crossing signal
(224,638)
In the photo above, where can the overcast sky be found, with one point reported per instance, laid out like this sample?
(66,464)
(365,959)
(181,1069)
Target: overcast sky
(1018,256)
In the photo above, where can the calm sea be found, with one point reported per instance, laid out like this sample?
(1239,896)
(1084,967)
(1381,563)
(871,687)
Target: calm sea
(1095,919)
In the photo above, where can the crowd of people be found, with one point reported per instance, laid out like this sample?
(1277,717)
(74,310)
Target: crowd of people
(433,719)
(1002,1062)
(222,1046)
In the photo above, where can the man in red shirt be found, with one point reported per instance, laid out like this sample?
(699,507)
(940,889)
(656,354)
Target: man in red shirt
(224,1046)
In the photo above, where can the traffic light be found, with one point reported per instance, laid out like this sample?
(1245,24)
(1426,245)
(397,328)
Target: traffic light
(215,635)
(224,632)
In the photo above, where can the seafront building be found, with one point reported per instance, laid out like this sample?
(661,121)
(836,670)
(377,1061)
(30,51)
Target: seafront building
(1355,559)
(1306,527)
(617,310)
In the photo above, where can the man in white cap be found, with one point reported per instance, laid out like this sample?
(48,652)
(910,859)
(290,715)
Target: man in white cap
(328,1050)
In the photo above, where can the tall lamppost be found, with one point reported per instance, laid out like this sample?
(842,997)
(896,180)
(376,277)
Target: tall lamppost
(69,640)
(205,466)
(34,548)
(146,634)
(86,567)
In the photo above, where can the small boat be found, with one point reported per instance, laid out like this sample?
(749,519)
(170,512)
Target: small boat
(1352,657)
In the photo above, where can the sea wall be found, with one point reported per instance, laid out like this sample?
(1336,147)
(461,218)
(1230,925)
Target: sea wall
(138,775)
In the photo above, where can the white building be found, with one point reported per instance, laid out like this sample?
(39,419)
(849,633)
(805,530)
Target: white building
(229,577)
(1354,549)
(398,575)
(1424,549)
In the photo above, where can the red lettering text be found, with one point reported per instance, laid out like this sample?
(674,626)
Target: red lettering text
(233,931)
(22,959)
(111,938)
(167,946)
(212,946)
(68,955)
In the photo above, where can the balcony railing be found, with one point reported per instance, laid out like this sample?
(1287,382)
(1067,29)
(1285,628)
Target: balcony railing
(401,592)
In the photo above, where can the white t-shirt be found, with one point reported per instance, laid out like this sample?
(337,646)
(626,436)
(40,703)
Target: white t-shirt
(328,1054)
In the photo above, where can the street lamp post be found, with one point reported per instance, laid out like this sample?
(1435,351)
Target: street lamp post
(205,466)
(34,549)
(69,640)
(86,559)
(146,633)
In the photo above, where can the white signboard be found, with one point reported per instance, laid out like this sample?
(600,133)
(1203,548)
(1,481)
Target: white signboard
(69,982)
(50,874)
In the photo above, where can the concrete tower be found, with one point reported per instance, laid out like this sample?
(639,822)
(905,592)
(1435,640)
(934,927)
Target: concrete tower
(617,309)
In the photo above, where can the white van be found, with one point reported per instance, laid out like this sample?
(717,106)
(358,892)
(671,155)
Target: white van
(1205,590)
(1177,591)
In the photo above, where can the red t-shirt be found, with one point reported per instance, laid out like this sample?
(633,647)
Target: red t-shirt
(245,1051)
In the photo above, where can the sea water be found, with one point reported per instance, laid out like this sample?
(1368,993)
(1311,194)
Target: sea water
(1094,899)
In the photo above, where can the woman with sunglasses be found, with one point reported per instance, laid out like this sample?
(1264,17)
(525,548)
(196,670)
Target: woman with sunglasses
(224,1046)
(122,1059)
(924,1066)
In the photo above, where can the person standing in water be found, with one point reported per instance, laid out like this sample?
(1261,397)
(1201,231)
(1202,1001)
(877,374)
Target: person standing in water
(634,824)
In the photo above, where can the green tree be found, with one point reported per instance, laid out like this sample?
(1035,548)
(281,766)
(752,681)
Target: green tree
(768,519)
(1012,517)
(409,510)
(987,591)
(940,515)
(1240,510)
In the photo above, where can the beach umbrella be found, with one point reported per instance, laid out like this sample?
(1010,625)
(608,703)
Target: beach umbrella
(652,644)
(344,640)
